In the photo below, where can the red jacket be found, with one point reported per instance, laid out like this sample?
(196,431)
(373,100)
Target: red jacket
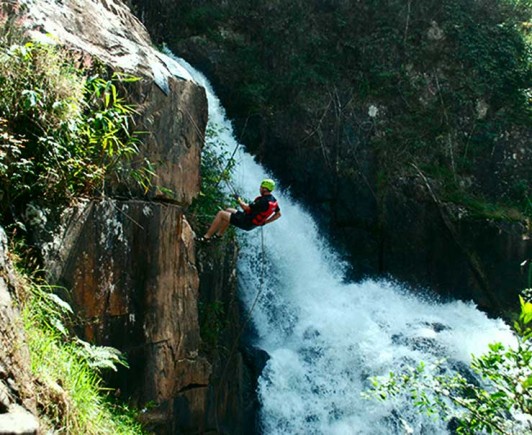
(262,208)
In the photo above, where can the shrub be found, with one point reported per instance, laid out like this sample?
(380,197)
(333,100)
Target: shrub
(501,404)
(63,133)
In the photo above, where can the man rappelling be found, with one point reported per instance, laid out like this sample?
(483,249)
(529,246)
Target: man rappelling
(263,210)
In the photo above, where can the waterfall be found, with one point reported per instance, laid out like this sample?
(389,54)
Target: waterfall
(326,337)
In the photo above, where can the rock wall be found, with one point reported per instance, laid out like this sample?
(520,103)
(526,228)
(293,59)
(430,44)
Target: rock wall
(428,243)
(129,266)
(174,125)
(18,407)
(233,382)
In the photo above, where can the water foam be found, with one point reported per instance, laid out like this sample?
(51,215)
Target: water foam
(325,337)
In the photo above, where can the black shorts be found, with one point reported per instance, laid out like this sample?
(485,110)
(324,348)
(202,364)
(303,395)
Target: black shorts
(242,221)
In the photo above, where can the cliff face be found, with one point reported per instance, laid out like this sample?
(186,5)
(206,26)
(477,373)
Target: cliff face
(233,383)
(341,108)
(130,265)
(131,268)
(175,127)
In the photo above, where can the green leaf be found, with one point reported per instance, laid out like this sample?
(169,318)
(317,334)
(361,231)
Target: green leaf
(526,311)
(64,306)
(496,347)
(528,382)
(31,99)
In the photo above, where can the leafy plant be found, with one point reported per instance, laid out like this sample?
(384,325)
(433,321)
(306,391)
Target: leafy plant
(500,403)
(216,170)
(107,130)
(69,388)
(62,133)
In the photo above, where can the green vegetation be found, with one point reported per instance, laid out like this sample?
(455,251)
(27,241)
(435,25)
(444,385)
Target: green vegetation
(502,404)
(64,132)
(216,171)
(477,205)
(67,371)
(216,175)
(212,322)
(450,79)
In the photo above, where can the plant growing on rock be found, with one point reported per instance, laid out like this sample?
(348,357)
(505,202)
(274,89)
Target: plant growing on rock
(216,170)
(68,371)
(500,403)
(63,133)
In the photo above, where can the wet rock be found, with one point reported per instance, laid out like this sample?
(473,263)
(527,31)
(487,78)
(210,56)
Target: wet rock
(105,29)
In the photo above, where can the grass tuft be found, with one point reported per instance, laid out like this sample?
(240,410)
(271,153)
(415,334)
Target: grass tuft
(70,392)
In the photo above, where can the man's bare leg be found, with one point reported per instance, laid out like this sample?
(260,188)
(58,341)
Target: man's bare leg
(220,223)
(225,224)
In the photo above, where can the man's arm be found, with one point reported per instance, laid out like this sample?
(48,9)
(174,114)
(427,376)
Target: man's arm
(245,206)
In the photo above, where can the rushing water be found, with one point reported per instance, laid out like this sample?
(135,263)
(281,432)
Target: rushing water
(325,337)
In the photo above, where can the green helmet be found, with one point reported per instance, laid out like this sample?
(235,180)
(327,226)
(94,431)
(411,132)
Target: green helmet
(268,184)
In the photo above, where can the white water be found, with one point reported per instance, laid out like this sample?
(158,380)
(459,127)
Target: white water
(325,338)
